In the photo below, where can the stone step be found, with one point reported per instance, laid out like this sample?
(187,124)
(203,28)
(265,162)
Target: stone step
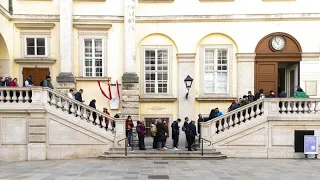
(166,156)
(166,152)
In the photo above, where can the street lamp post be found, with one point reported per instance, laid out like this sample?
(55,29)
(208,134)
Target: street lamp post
(188,81)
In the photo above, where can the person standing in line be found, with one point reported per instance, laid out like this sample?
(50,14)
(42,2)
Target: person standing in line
(184,128)
(161,133)
(70,95)
(28,82)
(200,120)
(175,133)
(129,127)
(164,142)
(141,131)
(94,114)
(6,81)
(191,133)
(14,83)
(154,134)
(105,110)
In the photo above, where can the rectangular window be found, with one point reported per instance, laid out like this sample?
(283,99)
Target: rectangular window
(36,46)
(156,71)
(149,121)
(93,58)
(216,70)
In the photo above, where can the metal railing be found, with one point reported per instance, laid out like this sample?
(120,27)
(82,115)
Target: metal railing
(202,139)
(126,145)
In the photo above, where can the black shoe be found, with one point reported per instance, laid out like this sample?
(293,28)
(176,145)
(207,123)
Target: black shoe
(189,149)
(195,149)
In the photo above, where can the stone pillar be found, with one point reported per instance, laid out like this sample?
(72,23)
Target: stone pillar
(120,133)
(245,73)
(186,106)
(130,35)
(37,136)
(65,80)
(130,80)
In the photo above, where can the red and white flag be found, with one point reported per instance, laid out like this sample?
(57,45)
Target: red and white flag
(118,90)
(103,86)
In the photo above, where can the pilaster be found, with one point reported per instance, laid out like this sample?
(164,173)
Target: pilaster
(186,105)
(65,80)
(130,95)
(245,73)
(37,136)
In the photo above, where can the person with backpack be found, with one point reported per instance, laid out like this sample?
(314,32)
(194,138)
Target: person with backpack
(46,82)
(191,133)
(175,133)
(141,131)
(154,134)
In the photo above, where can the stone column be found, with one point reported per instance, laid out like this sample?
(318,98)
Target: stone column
(65,80)
(130,80)
(186,106)
(245,73)
(120,133)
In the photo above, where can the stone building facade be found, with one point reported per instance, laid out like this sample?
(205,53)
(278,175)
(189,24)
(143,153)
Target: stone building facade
(151,46)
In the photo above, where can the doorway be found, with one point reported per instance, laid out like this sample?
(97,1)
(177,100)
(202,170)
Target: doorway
(288,77)
(38,74)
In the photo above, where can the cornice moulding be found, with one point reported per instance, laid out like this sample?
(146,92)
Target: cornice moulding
(91,26)
(35,60)
(34,25)
(5,13)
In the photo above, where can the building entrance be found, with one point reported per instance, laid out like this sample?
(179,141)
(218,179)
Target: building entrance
(277,64)
(38,74)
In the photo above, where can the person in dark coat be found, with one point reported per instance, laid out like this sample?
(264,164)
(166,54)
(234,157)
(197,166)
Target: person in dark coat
(271,95)
(141,131)
(93,105)
(212,114)
(161,134)
(184,128)
(78,96)
(191,135)
(251,98)
(175,133)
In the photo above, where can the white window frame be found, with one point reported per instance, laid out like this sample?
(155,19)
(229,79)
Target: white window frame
(229,69)
(93,58)
(169,49)
(36,37)
(87,35)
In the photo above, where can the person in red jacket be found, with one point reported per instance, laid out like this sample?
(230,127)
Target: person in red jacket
(129,127)
(105,110)
(13,83)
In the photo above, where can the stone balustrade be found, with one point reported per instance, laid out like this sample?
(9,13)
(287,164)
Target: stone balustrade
(15,95)
(263,107)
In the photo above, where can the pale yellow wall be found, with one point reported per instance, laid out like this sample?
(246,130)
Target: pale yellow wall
(108,7)
(149,109)
(195,7)
(36,7)
(6,44)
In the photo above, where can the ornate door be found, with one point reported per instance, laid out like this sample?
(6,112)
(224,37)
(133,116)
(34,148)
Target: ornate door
(266,74)
(38,74)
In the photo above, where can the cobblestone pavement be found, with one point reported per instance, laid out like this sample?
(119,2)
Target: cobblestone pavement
(229,169)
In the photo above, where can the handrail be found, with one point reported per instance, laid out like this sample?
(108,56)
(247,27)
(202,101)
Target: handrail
(125,147)
(234,111)
(203,139)
(79,103)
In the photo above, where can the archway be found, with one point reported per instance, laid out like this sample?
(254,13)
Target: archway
(4,58)
(277,63)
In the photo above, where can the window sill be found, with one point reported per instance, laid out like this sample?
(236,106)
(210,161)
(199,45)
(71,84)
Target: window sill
(225,98)
(158,99)
(93,78)
(35,60)
(156,1)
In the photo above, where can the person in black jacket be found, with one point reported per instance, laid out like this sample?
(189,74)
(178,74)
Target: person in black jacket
(93,105)
(175,133)
(161,134)
(78,96)
(191,133)
(184,128)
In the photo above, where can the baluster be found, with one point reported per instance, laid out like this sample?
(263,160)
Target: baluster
(312,109)
(15,96)
(49,97)
(281,104)
(317,107)
(103,121)
(251,112)
(262,108)
(85,115)
(294,108)
(65,105)
(90,117)
(79,111)
(299,107)
(238,117)
(285,104)
(20,98)
(247,115)
(306,108)
(1,96)
(5,95)
(59,103)
(53,100)
(73,109)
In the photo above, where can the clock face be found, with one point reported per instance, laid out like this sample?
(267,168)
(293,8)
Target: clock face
(278,43)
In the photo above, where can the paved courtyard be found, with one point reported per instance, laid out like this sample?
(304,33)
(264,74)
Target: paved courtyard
(229,169)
